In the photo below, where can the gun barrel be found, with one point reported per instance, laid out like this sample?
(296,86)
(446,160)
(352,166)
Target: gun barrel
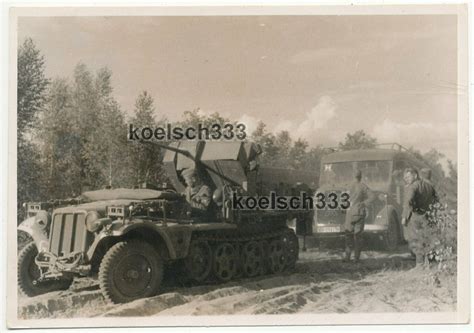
(176,150)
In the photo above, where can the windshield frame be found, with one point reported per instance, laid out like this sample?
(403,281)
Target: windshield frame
(323,181)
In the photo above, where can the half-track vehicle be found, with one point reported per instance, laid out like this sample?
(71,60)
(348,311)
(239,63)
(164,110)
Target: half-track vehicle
(382,170)
(127,237)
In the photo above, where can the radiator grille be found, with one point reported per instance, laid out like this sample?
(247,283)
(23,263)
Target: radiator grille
(69,234)
(329,216)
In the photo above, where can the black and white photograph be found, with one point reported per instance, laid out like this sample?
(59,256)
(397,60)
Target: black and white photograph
(236,166)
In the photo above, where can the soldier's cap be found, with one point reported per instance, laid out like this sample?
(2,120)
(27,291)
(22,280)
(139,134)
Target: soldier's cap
(187,173)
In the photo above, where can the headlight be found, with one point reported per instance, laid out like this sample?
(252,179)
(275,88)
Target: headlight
(42,219)
(92,221)
(32,209)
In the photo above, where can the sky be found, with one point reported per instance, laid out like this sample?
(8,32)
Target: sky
(319,77)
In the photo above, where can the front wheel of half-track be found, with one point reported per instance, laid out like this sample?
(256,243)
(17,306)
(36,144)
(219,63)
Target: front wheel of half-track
(130,270)
(29,274)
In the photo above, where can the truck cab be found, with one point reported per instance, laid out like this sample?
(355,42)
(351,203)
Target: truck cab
(382,171)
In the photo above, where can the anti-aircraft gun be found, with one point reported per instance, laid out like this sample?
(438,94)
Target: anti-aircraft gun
(126,237)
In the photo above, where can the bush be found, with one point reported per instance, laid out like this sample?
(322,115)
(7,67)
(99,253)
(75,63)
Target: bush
(439,239)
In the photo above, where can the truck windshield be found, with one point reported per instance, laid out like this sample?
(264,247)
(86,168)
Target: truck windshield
(373,172)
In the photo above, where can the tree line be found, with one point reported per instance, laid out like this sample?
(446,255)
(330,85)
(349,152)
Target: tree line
(71,135)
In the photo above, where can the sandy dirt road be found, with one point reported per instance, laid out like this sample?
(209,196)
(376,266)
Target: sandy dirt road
(321,283)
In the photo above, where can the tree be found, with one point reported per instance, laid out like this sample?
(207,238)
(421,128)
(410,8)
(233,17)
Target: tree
(60,143)
(146,158)
(83,135)
(298,154)
(266,140)
(284,143)
(195,117)
(32,84)
(433,157)
(451,185)
(358,140)
(106,151)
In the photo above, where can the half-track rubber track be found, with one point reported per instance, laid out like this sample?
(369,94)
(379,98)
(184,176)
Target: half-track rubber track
(246,252)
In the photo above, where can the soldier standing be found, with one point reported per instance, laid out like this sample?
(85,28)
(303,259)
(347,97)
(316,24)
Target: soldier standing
(360,197)
(419,195)
(198,195)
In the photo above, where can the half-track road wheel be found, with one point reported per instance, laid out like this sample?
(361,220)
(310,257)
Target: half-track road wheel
(130,270)
(238,252)
(29,273)
(252,258)
(225,262)
(198,263)
(265,245)
(290,240)
(277,256)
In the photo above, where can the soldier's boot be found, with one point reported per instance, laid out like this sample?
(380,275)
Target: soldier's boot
(357,248)
(348,247)
(347,254)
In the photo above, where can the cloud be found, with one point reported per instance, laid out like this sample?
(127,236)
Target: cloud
(319,115)
(285,125)
(313,126)
(250,123)
(421,135)
(314,120)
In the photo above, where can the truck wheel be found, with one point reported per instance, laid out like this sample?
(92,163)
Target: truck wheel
(391,237)
(290,240)
(29,273)
(130,270)
(23,239)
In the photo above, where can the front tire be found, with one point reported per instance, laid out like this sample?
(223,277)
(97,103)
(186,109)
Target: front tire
(392,235)
(130,270)
(29,274)
(23,239)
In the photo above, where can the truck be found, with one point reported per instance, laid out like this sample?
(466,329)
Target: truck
(127,238)
(382,171)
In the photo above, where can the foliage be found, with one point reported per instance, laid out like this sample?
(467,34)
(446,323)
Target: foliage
(270,154)
(31,96)
(72,137)
(281,151)
(82,135)
(358,140)
(446,184)
(29,186)
(32,85)
(439,239)
(145,158)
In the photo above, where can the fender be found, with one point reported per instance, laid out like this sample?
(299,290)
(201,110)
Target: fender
(383,216)
(176,239)
(35,230)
